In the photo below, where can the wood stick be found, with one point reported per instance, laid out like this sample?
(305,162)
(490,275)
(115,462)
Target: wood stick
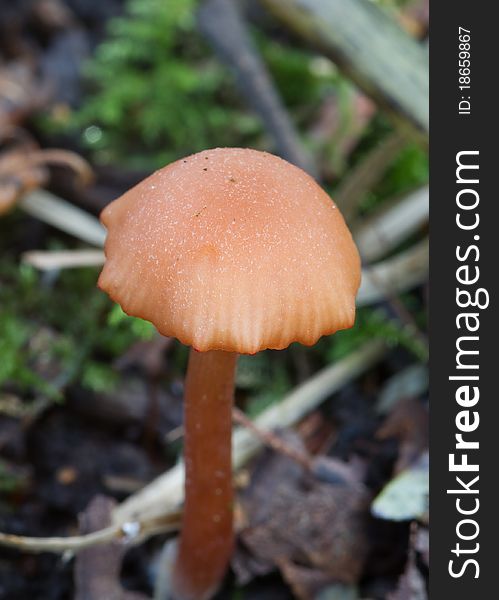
(370,47)
(64,216)
(225,29)
(394,275)
(384,230)
(63,259)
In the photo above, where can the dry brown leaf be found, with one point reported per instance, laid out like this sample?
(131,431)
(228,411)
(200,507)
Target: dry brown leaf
(23,165)
(305,583)
(294,519)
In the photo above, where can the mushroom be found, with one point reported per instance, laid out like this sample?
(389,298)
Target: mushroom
(232,251)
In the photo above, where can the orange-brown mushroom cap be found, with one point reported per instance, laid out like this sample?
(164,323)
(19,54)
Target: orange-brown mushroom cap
(232,249)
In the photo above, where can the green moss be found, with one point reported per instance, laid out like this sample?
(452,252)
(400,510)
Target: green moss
(155,93)
(64,332)
(375,324)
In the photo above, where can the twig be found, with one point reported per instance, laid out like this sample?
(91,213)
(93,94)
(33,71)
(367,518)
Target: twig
(128,532)
(64,158)
(385,229)
(367,173)
(64,216)
(63,259)
(61,544)
(323,468)
(221,23)
(370,47)
(270,439)
(394,275)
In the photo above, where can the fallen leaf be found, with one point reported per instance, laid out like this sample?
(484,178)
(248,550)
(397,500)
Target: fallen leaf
(294,520)
(405,497)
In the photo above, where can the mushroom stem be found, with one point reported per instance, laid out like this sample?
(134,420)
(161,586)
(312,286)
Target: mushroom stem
(206,540)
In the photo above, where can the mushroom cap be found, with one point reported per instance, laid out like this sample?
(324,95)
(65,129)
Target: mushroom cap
(232,249)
